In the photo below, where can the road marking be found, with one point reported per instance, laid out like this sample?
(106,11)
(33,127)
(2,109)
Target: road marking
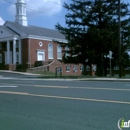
(45,86)
(67,87)
(127,84)
(90,88)
(25,81)
(15,93)
(8,86)
(67,98)
(110,89)
(17,84)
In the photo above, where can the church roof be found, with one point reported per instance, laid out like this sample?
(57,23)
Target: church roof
(34,30)
(7,29)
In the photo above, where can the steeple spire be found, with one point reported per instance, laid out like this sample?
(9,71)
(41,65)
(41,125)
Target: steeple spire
(21,17)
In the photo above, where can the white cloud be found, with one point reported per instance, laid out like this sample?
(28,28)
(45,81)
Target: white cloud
(40,7)
(1,21)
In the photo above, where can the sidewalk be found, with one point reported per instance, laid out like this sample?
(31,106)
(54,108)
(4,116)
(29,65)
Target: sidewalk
(64,79)
(107,79)
(15,72)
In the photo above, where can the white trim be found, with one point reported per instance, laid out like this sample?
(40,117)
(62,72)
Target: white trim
(20,52)
(9,38)
(59,51)
(14,51)
(44,38)
(81,68)
(40,44)
(10,57)
(75,68)
(43,54)
(41,50)
(8,52)
(50,51)
(67,69)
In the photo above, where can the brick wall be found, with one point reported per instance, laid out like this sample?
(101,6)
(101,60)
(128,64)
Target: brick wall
(34,46)
(25,53)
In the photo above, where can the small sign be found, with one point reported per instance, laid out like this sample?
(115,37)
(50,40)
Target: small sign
(110,54)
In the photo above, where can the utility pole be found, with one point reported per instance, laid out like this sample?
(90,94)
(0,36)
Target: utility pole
(119,36)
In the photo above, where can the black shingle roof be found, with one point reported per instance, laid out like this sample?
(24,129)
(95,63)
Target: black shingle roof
(38,31)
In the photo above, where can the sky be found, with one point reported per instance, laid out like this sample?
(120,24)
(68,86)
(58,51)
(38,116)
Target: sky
(42,13)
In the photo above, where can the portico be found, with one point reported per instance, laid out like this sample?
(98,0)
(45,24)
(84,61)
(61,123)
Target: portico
(11,52)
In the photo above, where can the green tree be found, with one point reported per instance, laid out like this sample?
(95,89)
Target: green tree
(92,31)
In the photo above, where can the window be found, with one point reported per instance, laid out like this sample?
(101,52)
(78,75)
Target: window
(40,44)
(17,10)
(81,68)
(74,68)
(67,68)
(0,46)
(66,49)
(116,68)
(88,68)
(24,11)
(17,44)
(17,57)
(59,52)
(0,58)
(40,55)
(127,68)
(50,51)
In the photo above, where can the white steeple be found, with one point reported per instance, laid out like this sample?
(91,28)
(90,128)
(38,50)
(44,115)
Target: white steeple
(21,17)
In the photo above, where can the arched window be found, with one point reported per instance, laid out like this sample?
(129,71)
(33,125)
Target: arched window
(59,52)
(50,51)
(66,49)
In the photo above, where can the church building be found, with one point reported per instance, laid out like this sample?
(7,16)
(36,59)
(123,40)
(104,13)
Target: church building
(32,48)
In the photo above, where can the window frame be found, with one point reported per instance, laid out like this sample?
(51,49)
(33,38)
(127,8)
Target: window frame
(41,52)
(59,51)
(0,58)
(81,68)
(17,57)
(75,68)
(116,67)
(68,68)
(87,68)
(50,51)
(66,49)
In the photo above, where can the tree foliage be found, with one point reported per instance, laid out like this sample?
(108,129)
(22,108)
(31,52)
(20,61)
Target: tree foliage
(92,31)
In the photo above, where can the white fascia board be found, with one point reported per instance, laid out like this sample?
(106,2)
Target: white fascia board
(9,38)
(44,38)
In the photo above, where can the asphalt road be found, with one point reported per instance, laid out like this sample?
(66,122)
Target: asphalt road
(62,105)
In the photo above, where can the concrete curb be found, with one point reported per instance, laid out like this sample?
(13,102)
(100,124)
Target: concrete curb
(24,73)
(65,79)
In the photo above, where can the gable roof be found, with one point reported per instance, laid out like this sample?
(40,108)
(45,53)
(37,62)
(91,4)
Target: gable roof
(7,29)
(34,30)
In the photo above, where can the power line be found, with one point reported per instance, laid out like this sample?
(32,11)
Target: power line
(54,2)
(37,10)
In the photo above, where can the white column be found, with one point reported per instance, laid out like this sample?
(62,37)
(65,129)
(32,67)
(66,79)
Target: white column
(8,52)
(20,61)
(14,51)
